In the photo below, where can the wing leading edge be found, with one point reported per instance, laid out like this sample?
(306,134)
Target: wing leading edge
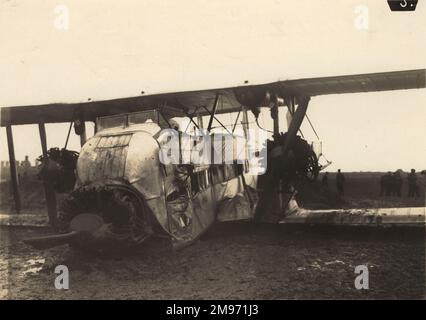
(198,102)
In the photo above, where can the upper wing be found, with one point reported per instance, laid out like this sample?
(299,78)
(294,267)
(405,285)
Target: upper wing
(230,99)
(397,80)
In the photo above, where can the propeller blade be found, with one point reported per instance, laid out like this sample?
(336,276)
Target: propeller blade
(52,240)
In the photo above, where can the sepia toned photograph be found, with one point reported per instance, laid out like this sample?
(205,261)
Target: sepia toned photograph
(230,151)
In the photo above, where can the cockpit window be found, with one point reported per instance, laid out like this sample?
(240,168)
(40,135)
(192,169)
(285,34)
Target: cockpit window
(142,117)
(129,119)
(118,121)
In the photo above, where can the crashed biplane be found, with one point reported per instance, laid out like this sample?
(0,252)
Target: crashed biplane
(123,194)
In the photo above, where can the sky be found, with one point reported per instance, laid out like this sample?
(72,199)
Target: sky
(113,49)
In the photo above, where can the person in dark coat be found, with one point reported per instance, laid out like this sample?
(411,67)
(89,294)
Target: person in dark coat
(324,180)
(386,184)
(397,183)
(413,190)
(340,183)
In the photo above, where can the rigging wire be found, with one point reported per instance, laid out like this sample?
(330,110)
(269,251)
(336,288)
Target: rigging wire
(189,123)
(316,134)
(312,126)
(68,135)
(236,121)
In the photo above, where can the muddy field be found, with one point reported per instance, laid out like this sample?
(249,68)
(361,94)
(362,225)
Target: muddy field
(232,261)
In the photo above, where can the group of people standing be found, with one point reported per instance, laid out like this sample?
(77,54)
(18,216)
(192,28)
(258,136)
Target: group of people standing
(340,182)
(391,184)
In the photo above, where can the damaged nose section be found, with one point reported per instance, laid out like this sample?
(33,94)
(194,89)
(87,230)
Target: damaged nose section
(100,219)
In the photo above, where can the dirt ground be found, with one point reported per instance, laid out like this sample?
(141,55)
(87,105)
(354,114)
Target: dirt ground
(231,261)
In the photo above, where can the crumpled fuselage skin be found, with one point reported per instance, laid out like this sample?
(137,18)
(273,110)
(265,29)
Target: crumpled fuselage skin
(131,156)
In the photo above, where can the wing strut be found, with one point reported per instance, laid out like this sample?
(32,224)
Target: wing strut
(48,188)
(13,172)
(296,122)
(216,102)
(294,127)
